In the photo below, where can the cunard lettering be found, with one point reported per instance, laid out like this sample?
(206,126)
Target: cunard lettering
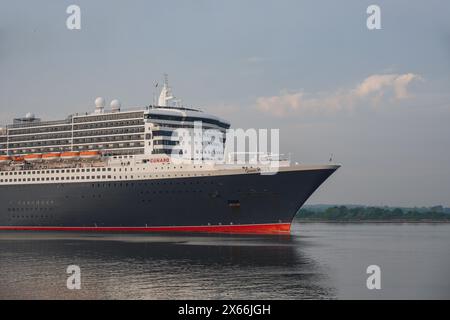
(160,160)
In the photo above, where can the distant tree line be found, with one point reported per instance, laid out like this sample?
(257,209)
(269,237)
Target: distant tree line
(343,213)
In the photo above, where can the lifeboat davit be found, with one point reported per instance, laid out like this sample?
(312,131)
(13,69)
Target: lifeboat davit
(5,159)
(70,156)
(90,155)
(33,157)
(51,156)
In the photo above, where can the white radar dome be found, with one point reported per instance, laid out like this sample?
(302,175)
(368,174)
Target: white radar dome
(29,115)
(115,104)
(100,102)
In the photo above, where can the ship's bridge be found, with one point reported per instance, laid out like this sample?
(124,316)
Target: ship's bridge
(176,130)
(189,133)
(168,115)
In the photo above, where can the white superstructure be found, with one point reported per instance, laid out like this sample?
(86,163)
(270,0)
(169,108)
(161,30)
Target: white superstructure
(113,144)
(162,129)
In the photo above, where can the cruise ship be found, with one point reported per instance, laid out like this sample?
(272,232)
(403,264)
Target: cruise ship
(139,170)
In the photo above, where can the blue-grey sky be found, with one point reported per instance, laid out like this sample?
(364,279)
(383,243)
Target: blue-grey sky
(378,100)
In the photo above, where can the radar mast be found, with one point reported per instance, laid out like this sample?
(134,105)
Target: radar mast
(166,93)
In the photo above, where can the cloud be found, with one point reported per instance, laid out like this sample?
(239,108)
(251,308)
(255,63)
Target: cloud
(374,90)
(377,84)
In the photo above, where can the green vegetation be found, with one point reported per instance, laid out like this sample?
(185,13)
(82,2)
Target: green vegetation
(355,214)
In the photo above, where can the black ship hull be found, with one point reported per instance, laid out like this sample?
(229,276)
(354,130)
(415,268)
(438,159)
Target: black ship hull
(241,203)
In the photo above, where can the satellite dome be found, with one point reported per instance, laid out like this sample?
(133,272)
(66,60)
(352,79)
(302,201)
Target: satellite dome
(115,104)
(29,115)
(100,102)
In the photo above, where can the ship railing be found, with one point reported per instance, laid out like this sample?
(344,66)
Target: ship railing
(38,124)
(122,110)
(129,109)
(182,108)
(258,157)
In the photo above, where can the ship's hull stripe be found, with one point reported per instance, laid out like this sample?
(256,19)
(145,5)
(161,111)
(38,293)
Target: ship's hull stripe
(276,228)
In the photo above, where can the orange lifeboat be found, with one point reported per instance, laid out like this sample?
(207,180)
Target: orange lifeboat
(5,159)
(70,155)
(51,156)
(90,155)
(33,157)
(18,159)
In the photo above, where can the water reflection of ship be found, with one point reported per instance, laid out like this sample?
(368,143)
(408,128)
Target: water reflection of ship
(167,267)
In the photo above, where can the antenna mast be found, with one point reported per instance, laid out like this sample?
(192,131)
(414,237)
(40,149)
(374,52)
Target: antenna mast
(166,93)
(155,88)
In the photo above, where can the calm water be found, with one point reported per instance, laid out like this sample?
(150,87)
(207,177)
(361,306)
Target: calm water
(319,261)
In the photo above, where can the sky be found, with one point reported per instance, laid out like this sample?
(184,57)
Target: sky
(378,100)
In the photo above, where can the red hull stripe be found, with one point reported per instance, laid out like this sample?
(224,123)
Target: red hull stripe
(277,228)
